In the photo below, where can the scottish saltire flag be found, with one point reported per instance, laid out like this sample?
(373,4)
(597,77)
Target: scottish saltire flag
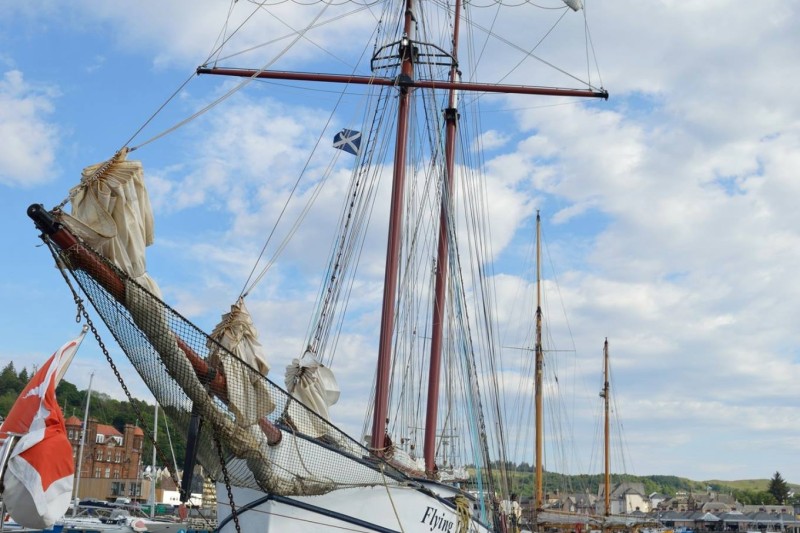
(348,140)
(40,472)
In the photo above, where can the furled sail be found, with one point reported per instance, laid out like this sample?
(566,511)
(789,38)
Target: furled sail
(111,212)
(237,334)
(313,384)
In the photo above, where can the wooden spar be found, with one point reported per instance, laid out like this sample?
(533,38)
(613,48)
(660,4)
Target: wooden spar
(442,253)
(606,433)
(80,257)
(404,82)
(539,369)
(85,260)
(377,440)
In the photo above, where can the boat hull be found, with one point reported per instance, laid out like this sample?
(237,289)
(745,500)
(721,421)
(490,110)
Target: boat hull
(379,508)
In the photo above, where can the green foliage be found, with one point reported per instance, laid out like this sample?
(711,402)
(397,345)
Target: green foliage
(778,488)
(104,409)
(9,380)
(521,480)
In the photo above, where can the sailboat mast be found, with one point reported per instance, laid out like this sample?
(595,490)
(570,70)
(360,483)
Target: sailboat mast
(381,411)
(153,471)
(83,443)
(606,429)
(539,368)
(451,125)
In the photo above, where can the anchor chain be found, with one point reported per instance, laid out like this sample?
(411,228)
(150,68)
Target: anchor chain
(227,479)
(81,311)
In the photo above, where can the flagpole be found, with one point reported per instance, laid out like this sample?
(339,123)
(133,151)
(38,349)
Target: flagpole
(83,442)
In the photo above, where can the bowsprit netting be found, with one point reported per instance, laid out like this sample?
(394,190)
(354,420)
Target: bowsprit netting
(174,359)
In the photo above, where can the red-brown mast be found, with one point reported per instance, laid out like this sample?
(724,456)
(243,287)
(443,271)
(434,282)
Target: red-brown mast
(377,441)
(406,83)
(439,304)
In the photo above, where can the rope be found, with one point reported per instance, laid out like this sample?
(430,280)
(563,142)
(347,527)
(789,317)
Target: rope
(327,525)
(463,513)
(98,174)
(389,493)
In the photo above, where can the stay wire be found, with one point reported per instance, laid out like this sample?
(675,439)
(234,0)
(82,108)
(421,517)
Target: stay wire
(177,91)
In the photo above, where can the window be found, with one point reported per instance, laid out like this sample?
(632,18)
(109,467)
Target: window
(99,455)
(116,473)
(117,457)
(100,439)
(108,472)
(108,456)
(97,471)
(71,433)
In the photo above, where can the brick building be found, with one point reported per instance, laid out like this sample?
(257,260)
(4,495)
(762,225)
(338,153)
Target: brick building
(112,461)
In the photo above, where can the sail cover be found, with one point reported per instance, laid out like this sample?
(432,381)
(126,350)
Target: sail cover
(40,471)
(111,212)
(315,386)
(237,334)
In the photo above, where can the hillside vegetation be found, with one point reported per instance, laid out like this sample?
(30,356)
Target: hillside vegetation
(750,491)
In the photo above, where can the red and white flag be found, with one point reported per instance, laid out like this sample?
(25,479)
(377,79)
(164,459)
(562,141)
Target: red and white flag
(40,469)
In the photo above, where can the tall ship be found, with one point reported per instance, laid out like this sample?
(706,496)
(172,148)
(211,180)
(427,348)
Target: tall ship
(400,155)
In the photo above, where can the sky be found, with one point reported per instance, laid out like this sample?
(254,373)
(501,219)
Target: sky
(669,208)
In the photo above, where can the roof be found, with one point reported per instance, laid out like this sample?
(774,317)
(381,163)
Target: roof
(73,421)
(109,431)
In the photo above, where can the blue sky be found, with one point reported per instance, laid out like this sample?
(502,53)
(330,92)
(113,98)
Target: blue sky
(669,210)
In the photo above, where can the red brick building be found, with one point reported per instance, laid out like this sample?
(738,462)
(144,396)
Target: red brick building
(112,461)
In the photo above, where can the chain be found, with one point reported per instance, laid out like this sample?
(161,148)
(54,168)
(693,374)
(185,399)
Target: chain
(227,482)
(81,311)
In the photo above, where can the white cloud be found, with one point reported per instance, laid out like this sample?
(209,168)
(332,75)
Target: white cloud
(28,150)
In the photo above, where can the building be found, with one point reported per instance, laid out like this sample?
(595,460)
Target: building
(111,464)
(625,498)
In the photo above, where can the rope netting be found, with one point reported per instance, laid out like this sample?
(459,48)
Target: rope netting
(271,441)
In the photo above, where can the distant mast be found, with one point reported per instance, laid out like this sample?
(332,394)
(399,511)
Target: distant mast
(539,369)
(85,428)
(605,395)
(153,478)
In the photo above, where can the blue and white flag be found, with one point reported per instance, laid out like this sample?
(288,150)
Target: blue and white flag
(348,140)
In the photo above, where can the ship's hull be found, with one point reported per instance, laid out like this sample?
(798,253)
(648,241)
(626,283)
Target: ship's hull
(381,508)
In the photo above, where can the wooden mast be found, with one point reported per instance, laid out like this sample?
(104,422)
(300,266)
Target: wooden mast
(439,304)
(539,369)
(379,418)
(606,432)
(405,82)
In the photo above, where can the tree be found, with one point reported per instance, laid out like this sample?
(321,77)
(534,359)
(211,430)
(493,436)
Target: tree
(778,488)
(9,381)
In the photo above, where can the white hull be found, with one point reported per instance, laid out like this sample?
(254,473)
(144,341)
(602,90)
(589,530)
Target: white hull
(374,508)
